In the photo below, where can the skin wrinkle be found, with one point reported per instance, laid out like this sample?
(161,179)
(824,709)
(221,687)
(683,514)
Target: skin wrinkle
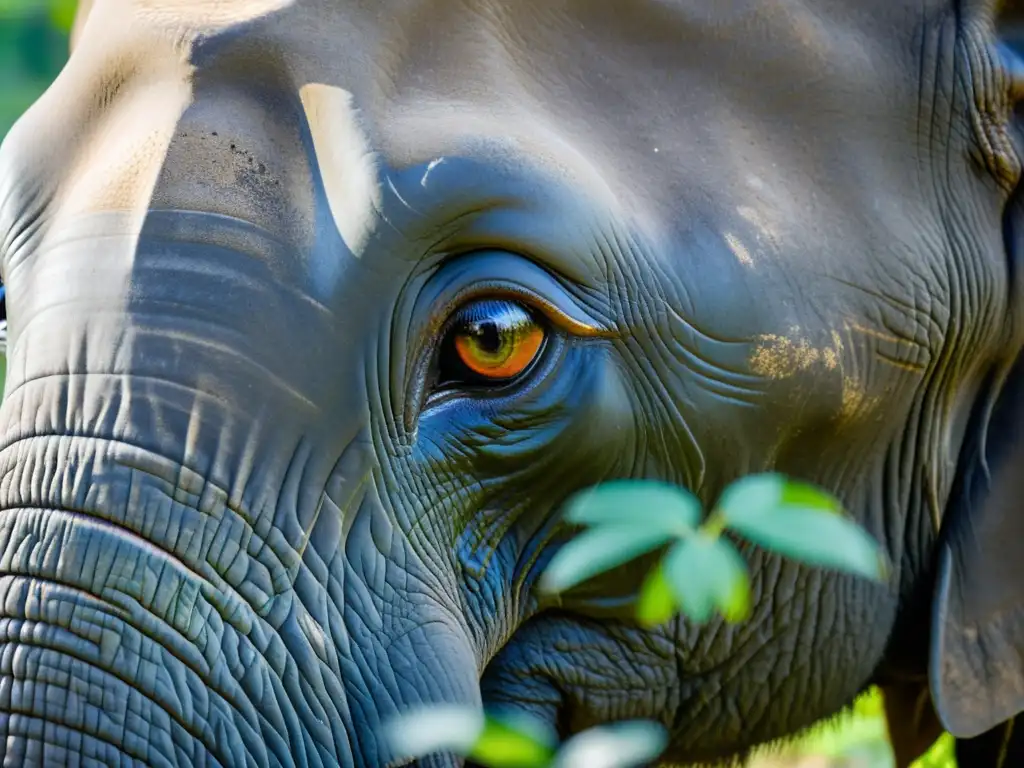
(250,530)
(686,311)
(199,673)
(889,338)
(660,397)
(901,455)
(288,503)
(72,375)
(376,376)
(650,324)
(79,518)
(22,724)
(736,666)
(32,225)
(170,711)
(932,326)
(528,471)
(399,331)
(166,708)
(628,278)
(706,360)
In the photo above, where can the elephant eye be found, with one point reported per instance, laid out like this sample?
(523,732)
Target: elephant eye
(491,341)
(3,323)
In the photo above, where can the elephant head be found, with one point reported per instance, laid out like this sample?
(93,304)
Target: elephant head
(320,309)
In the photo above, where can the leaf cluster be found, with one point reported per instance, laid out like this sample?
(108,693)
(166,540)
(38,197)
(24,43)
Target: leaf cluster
(701,573)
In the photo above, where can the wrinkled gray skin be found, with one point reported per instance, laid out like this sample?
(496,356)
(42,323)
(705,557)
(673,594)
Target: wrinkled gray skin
(244,521)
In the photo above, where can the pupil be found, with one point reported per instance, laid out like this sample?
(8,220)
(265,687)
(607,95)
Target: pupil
(489,337)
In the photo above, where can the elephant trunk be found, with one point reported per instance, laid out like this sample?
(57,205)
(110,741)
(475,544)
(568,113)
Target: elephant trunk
(137,624)
(196,566)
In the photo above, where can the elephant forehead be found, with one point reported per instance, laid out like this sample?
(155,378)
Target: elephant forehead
(663,102)
(646,63)
(655,99)
(658,62)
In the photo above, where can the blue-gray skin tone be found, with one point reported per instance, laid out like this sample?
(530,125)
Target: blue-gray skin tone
(257,497)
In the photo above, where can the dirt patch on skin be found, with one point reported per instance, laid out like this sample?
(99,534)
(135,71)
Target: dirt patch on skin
(779,357)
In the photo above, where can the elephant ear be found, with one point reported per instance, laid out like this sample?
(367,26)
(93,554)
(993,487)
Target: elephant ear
(976,667)
(977,652)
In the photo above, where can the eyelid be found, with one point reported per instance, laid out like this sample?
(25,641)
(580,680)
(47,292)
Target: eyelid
(579,325)
(473,277)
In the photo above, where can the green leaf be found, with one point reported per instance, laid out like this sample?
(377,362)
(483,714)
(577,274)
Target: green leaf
(636,502)
(506,740)
(513,741)
(802,522)
(657,602)
(796,494)
(435,729)
(751,495)
(706,574)
(816,538)
(755,495)
(599,550)
(734,600)
(619,745)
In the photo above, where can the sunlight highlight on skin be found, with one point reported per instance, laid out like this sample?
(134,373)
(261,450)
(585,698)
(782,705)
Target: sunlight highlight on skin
(209,15)
(738,249)
(346,161)
(764,228)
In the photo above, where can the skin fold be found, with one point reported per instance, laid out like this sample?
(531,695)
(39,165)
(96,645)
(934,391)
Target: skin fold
(248,514)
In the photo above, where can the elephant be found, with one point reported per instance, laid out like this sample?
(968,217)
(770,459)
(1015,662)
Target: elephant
(318,311)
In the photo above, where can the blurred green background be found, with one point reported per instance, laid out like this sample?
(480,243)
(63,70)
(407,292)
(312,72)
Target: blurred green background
(33,48)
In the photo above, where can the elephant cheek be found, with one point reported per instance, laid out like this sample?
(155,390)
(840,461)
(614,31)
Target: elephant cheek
(580,674)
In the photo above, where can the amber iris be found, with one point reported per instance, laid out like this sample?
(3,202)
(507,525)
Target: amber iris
(496,339)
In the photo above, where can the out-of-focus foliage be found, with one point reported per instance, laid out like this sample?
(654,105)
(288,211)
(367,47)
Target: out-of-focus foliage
(33,48)
(857,739)
(701,574)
